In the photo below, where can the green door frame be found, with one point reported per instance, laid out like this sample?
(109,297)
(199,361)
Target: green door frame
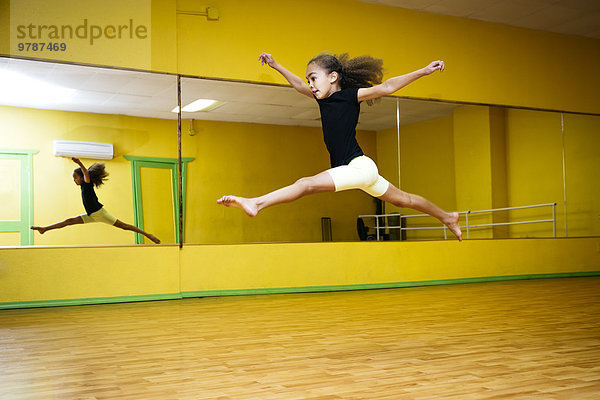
(154,162)
(26,196)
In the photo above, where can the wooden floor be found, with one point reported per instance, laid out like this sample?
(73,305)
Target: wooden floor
(535,339)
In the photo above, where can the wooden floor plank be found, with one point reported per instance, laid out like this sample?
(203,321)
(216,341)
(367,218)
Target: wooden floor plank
(536,339)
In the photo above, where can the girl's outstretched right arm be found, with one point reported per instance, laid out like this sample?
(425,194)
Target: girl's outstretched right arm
(86,174)
(296,82)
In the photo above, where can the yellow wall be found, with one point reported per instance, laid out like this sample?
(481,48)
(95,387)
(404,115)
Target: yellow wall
(39,274)
(498,168)
(427,169)
(10,197)
(427,161)
(10,170)
(534,169)
(582,165)
(472,157)
(387,156)
(164,36)
(10,238)
(302,265)
(387,160)
(230,158)
(157,200)
(54,276)
(486,63)
(5,26)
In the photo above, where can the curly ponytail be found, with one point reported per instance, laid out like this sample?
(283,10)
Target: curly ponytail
(97,173)
(359,72)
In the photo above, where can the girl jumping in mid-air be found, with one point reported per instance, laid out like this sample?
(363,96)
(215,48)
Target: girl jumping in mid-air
(339,85)
(95,212)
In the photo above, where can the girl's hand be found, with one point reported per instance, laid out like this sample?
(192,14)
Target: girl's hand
(266,58)
(434,66)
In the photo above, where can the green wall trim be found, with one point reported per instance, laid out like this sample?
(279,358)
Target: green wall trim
(390,285)
(22,226)
(93,300)
(10,226)
(283,290)
(158,159)
(18,151)
(138,162)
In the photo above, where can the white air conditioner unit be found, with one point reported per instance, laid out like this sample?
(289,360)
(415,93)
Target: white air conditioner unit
(70,148)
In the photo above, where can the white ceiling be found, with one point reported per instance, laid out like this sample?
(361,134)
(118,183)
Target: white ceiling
(143,94)
(570,17)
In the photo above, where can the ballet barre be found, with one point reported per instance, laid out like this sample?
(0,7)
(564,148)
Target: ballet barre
(382,226)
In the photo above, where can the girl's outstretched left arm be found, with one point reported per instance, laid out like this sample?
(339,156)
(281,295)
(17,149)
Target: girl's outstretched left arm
(86,174)
(396,83)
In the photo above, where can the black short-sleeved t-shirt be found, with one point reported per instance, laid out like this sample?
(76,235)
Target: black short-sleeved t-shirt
(339,116)
(90,200)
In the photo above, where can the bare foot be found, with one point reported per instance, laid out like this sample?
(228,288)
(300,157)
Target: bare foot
(454,226)
(247,205)
(39,229)
(153,238)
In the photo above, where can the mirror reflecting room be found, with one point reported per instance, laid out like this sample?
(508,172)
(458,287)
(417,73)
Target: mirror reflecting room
(51,112)
(509,172)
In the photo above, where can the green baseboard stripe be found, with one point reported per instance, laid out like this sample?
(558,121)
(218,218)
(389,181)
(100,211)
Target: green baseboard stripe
(390,285)
(282,290)
(93,300)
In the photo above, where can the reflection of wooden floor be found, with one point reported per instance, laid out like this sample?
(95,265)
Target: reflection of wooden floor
(520,339)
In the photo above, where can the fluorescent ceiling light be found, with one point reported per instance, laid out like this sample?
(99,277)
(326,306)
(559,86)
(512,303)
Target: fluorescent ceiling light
(21,90)
(200,105)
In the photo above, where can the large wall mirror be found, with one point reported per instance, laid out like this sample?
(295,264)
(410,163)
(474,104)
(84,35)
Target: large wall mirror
(256,138)
(44,102)
(510,172)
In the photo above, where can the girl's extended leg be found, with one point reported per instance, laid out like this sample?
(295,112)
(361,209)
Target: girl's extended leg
(402,199)
(127,227)
(315,184)
(69,221)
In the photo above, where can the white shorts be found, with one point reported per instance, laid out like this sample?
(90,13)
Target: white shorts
(99,216)
(360,173)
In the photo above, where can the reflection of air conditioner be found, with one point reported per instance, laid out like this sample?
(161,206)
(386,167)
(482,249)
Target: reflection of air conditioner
(70,148)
